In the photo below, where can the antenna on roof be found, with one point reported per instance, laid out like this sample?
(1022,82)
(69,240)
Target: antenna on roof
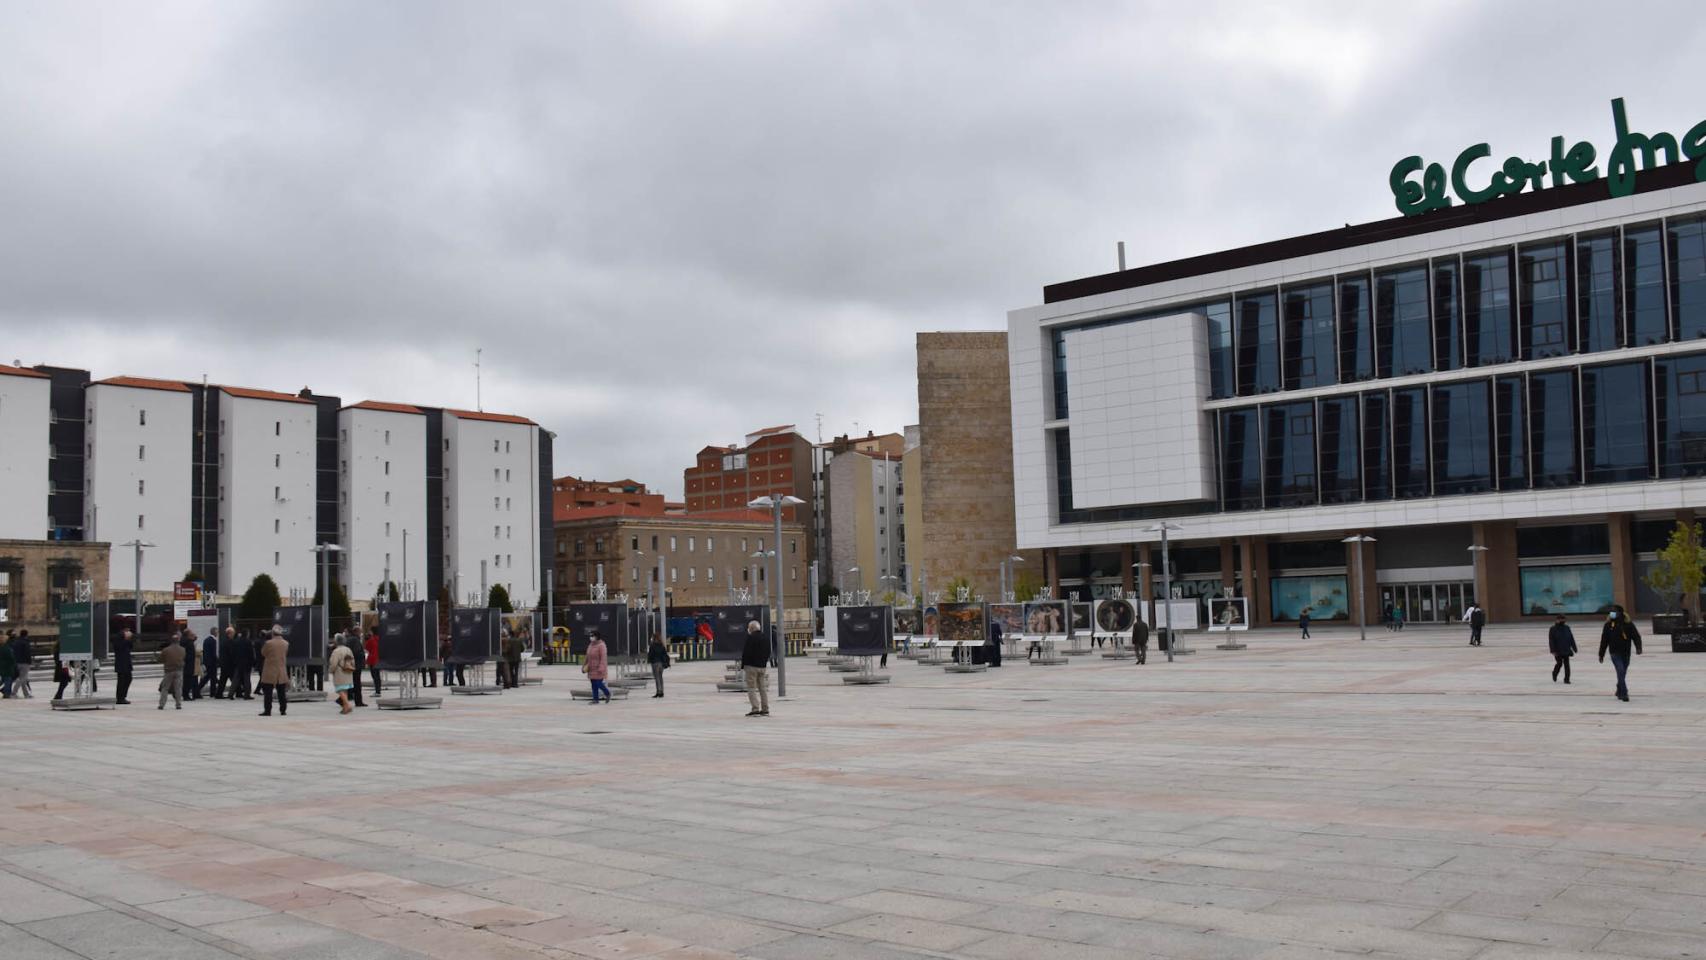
(477,407)
(1121,247)
(820,428)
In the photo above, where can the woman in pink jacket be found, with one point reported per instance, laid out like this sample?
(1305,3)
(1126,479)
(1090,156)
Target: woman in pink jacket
(597,665)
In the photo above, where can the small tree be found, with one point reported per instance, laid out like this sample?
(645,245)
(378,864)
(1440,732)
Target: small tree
(388,590)
(499,597)
(191,576)
(260,600)
(951,592)
(1681,566)
(339,604)
(1025,586)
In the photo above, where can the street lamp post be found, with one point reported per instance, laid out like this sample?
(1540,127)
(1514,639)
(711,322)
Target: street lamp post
(1475,553)
(841,581)
(137,545)
(1166,584)
(325,550)
(1362,589)
(1009,588)
(776,503)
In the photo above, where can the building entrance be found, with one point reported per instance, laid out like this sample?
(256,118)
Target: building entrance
(1428,602)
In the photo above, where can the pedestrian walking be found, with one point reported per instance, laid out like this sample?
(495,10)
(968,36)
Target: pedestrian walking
(597,665)
(341,665)
(755,660)
(123,650)
(370,646)
(1398,617)
(172,675)
(211,664)
(1563,645)
(513,647)
(658,656)
(228,644)
(186,640)
(992,645)
(1619,637)
(1476,618)
(8,670)
(1386,616)
(275,675)
(23,654)
(1140,640)
(1303,623)
(61,675)
(352,640)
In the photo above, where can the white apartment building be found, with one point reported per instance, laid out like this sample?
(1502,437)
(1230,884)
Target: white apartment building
(491,503)
(382,498)
(24,453)
(137,461)
(266,489)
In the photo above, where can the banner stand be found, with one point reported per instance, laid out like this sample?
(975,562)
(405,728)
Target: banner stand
(82,645)
(965,665)
(298,691)
(867,675)
(408,687)
(476,685)
(82,683)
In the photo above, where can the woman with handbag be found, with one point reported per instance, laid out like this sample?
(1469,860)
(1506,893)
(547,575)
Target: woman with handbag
(658,657)
(341,665)
(597,665)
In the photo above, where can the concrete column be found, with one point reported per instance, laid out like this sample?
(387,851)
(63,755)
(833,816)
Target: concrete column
(1228,565)
(1149,555)
(1366,589)
(1622,560)
(1498,586)
(1125,568)
(1051,566)
(1256,579)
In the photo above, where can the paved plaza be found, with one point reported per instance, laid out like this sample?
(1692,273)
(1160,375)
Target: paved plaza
(1405,797)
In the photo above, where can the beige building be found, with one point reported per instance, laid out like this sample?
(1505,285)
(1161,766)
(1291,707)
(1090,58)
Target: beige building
(964,491)
(865,546)
(705,556)
(36,576)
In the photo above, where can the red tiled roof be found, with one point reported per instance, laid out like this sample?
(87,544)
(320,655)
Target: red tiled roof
(11,371)
(493,417)
(248,394)
(607,511)
(145,383)
(384,407)
(652,514)
(776,429)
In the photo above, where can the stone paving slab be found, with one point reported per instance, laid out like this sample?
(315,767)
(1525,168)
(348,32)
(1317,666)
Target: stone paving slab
(1404,797)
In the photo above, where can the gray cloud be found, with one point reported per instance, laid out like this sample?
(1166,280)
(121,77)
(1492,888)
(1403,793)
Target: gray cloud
(669,223)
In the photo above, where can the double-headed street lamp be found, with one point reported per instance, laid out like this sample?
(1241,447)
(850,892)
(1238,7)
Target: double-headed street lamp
(138,545)
(1362,589)
(325,550)
(775,504)
(1007,576)
(1166,583)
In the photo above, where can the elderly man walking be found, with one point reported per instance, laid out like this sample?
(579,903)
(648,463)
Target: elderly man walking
(172,681)
(275,675)
(755,664)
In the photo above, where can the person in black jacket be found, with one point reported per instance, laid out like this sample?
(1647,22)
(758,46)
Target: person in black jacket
(1477,620)
(210,665)
(658,656)
(192,690)
(1140,641)
(1616,638)
(123,648)
(1563,645)
(352,639)
(992,646)
(755,664)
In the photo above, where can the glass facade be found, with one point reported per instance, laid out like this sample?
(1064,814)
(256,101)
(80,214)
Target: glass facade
(1376,448)
(1644,285)
(1462,439)
(1448,318)
(1356,330)
(1240,459)
(1339,443)
(1599,304)
(1616,429)
(1410,443)
(1220,375)
(1288,436)
(1257,344)
(1687,247)
(1575,588)
(1510,438)
(1402,336)
(1543,299)
(1489,329)
(1680,412)
(1325,597)
(1310,351)
(1552,419)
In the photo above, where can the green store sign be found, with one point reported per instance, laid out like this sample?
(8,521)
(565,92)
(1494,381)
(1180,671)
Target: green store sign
(1577,164)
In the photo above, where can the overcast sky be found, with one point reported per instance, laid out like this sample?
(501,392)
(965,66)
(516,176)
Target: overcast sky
(670,223)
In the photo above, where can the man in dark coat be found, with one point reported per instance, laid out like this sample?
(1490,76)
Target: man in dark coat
(1617,638)
(755,660)
(1563,645)
(211,664)
(186,640)
(992,646)
(1140,640)
(353,641)
(123,648)
(1477,620)
(229,648)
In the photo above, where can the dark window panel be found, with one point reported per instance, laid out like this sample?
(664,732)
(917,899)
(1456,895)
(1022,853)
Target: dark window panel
(1543,298)
(1241,459)
(1308,340)
(1288,438)
(1403,336)
(1376,456)
(1688,276)
(1410,443)
(1617,431)
(1356,330)
(1448,315)
(1219,350)
(1462,438)
(1340,442)
(1258,344)
(1681,416)
(1570,540)
(1058,343)
(1063,471)
(1552,417)
(1599,304)
(1644,285)
(1489,328)
(1510,433)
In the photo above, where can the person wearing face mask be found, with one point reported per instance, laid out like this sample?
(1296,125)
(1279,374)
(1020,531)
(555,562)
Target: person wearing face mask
(1562,643)
(1617,638)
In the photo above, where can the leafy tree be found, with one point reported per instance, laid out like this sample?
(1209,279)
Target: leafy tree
(260,600)
(951,591)
(499,597)
(1026,585)
(1681,566)
(191,576)
(388,590)
(339,604)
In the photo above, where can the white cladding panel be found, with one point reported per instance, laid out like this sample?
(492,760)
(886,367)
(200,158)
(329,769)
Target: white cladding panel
(137,469)
(266,503)
(1135,393)
(492,508)
(24,416)
(382,505)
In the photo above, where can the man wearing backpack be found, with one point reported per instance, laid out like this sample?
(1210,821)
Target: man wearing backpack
(1617,638)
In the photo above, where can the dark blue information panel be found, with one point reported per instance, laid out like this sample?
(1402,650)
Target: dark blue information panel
(862,631)
(305,630)
(474,635)
(408,635)
(609,619)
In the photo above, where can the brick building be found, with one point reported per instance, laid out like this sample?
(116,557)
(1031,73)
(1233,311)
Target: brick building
(574,493)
